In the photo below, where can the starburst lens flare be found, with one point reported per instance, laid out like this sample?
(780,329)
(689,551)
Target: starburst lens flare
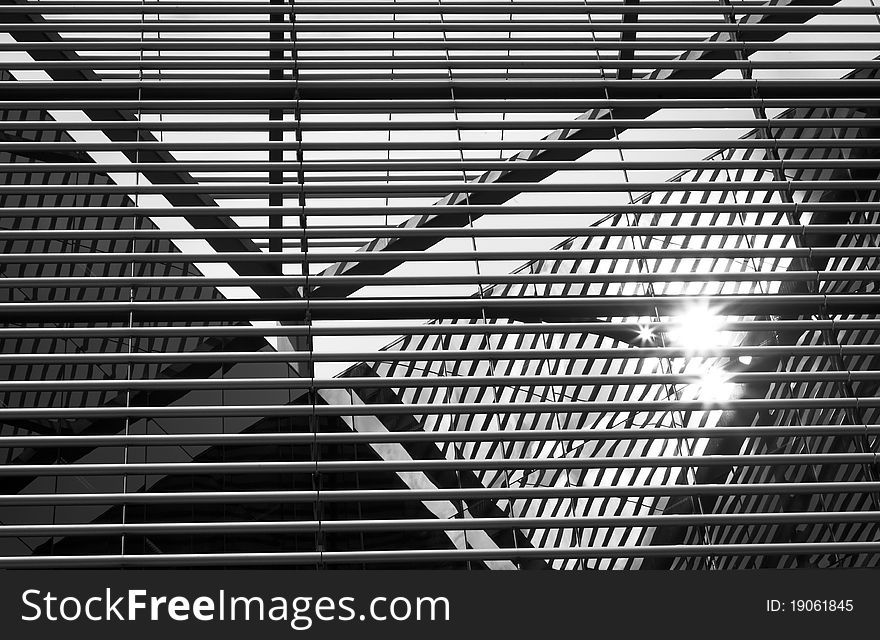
(646,333)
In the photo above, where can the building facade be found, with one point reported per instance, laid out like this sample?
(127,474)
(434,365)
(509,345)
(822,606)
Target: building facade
(477,285)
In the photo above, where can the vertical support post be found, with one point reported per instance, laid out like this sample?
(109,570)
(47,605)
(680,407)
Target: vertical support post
(276,114)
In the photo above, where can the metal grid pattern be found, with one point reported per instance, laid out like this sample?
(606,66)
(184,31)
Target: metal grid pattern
(451,284)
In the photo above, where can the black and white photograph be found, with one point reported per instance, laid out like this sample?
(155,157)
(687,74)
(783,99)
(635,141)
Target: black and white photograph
(371,293)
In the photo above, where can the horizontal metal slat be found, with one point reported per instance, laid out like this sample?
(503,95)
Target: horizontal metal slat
(549,435)
(365,467)
(466,524)
(396,495)
(210,411)
(336,557)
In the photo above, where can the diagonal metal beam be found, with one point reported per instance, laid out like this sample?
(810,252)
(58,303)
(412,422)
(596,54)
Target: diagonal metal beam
(586,135)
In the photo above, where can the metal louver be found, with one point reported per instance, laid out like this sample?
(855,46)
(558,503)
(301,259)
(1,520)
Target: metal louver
(572,285)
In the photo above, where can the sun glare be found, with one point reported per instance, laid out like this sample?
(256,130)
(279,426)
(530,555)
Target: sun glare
(698,329)
(715,386)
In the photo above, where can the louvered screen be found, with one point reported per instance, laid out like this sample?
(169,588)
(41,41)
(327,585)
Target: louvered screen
(559,284)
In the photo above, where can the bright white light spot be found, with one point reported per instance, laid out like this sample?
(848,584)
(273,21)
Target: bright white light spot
(646,333)
(714,387)
(745,359)
(699,329)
